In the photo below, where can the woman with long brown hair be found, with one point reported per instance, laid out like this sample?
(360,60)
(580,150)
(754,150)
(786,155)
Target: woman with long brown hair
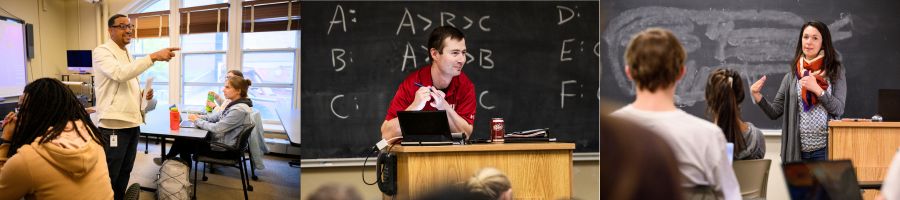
(811,93)
(724,94)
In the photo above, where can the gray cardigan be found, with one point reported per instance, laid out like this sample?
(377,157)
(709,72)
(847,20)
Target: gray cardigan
(786,103)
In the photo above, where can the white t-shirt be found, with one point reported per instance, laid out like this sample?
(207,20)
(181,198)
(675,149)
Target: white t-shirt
(890,188)
(698,145)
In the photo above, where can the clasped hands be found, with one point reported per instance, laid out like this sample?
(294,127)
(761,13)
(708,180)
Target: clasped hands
(426,94)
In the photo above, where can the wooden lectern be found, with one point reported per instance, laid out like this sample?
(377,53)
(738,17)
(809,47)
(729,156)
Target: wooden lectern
(869,145)
(536,170)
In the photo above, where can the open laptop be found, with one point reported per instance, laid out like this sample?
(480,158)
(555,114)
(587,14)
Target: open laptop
(832,179)
(424,128)
(889,104)
(187,124)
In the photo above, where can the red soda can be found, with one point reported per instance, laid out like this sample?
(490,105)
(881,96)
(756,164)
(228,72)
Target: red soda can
(497,130)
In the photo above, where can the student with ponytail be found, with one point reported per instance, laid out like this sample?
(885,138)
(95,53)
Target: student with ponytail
(724,94)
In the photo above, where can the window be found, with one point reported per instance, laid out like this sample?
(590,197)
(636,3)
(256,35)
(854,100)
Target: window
(142,47)
(160,5)
(269,62)
(204,41)
(203,66)
(194,3)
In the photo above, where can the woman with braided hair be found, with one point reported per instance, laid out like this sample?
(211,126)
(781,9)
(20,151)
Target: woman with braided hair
(50,149)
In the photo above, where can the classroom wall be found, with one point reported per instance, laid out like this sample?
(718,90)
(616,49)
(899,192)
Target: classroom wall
(59,25)
(586,179)
(49,31)
(82,22)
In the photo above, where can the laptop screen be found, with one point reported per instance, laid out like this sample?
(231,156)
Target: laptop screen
(832,179)
(424,126)
(889,104)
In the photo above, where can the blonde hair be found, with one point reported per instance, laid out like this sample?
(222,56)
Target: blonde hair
(335,191)
(488,183)
(655,59)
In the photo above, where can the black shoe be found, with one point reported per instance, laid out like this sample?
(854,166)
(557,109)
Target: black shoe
(158,161)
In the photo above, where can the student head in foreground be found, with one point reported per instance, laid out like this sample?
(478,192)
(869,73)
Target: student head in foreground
(655,62)
(724,94)
(50,149)
(633,158)
(441,85)
(813,92)
(335,191)
(491,184)
(487,184)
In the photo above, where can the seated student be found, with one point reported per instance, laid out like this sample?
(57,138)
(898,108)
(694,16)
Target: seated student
(724,94)
(655,62)
(224,127)
(50,149)
(633,158)
(890,188)
(219,100)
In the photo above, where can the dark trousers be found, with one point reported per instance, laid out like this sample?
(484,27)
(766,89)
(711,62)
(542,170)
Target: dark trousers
(821,154)
(120,159)
(186,148)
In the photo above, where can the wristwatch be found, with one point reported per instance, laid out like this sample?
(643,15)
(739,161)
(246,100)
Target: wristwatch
(822,94)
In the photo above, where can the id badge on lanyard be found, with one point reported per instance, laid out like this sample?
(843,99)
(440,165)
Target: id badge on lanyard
(113,140)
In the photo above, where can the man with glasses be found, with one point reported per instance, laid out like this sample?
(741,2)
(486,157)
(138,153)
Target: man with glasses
(119,98)
(439,86)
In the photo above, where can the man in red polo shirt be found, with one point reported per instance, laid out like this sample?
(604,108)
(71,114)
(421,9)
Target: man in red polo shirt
(439,86)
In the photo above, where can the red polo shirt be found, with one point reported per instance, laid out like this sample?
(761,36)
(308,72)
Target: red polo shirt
(460,94)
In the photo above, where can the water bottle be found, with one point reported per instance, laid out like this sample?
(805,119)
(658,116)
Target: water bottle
(209,98)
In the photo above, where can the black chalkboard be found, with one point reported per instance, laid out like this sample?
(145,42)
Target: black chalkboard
(535,64)
(756,38)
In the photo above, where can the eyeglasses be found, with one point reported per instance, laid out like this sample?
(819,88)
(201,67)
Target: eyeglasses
(124,26)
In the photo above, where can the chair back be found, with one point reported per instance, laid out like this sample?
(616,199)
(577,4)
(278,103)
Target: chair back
(244,138)
(753,176)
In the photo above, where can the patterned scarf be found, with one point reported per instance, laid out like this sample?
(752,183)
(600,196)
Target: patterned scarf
(804,68)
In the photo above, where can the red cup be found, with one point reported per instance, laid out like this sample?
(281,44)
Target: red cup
(174,120)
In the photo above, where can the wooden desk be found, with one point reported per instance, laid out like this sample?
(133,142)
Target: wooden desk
(869,145)
(536,170)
